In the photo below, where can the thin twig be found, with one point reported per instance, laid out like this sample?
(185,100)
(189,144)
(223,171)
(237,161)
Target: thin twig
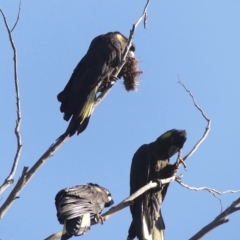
(145,15)
(205,117)
(117,71)
(125,203)
(219,220)
(213,191)
(181,161)
(19,10)
(9,180)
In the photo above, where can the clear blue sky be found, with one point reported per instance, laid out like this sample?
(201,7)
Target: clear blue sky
(198,40)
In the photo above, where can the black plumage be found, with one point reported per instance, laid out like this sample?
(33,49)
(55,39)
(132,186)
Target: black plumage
(92,75)
(77,205)
(150,162)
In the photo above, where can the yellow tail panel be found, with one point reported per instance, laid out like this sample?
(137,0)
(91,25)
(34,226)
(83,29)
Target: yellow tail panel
(88,106)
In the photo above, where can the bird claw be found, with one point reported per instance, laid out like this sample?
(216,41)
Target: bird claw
(99,219)
(113,79)
(159,183)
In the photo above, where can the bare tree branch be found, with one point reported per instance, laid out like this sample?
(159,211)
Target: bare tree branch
(9,180)
(28,174)
(128,201)
(54,236)
(211,190)
(204,116)
(19,10)
(208,189)
(132,31)
(125,203)
(181,161)
(219,220)
(235,206)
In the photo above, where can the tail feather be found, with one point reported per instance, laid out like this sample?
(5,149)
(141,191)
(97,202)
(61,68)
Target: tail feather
(80,120)
(146,234)
(65,235)
(76,226)
(143,232)
(156,232)
(88,106)
(158,229)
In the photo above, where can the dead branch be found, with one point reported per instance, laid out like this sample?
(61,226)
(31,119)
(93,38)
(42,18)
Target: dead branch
(9,180)
(219,220)
(213,191)
(117,71)
(19,10)
(180,160)
(28,174)
(54,236)
(204,116)
(128,201)
(125,203)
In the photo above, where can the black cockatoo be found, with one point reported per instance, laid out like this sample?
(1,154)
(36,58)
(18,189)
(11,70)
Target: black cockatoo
(92,75)
(77,205)
(151,162)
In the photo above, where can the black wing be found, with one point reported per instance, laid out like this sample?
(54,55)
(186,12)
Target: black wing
(138,178)
(77,201)
(152,162)
(103,56)
(100,58)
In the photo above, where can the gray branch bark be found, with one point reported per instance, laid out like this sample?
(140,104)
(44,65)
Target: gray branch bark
(28,174)
(207,129)
(219,220)
(10,178)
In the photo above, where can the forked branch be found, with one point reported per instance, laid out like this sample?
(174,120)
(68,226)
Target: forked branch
(130,39)
(205,134)
(235,206)
(213,191)
(10,178)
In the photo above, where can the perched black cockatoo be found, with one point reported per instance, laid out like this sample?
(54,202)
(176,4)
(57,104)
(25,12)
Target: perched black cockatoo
(92,75)
(151,162)
(77,205)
